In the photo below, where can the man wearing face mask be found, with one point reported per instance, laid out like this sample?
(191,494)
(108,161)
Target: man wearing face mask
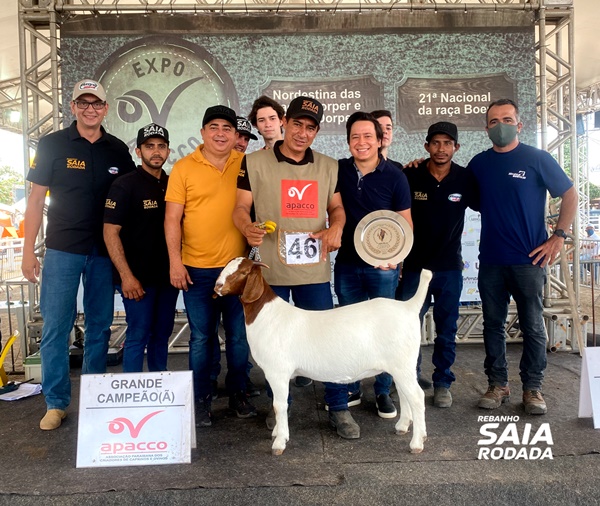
(515,248)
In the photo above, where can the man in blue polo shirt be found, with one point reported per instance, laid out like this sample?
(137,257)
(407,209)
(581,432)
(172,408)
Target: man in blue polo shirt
(515,248)
(77,164)
(441,191)
(367,182)
(134,233)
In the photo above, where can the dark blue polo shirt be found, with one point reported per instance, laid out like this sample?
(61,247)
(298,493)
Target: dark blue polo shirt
(438,213)
(78,174)
(136,201)
(386,188)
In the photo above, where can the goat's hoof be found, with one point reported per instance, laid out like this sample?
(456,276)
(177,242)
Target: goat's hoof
(416,450)
(277,451)
(402,432)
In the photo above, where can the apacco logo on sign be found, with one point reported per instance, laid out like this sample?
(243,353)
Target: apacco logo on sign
(118,425)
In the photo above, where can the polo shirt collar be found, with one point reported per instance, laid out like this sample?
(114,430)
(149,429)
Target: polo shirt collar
(74,133)
(308,156)
(150,177)
(380,166)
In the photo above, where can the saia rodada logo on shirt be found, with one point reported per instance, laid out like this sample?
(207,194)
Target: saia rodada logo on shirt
(74,163)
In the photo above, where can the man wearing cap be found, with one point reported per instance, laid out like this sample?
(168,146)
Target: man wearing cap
(590,248)
(201,239)
(514,249)
(77,165)
(368,182)
(244,130)
(441,191)
(266,116)
(134,234)
(296,187)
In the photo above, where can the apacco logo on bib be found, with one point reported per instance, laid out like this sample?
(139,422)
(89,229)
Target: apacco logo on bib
(299,199)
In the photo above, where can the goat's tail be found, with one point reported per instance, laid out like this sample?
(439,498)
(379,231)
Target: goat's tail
(419,297)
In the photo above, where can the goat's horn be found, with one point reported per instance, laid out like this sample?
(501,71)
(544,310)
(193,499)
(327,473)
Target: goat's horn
(260,264)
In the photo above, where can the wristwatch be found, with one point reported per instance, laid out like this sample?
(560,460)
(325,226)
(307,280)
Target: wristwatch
(560,233)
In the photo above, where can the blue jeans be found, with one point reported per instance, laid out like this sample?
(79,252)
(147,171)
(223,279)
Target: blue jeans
(445,289)
(150,323)
(355,283)
(315,297)
(525,283)
(61,276)
(203,316)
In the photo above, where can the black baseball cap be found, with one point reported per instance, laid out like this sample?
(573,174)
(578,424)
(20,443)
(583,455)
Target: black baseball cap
(220,112)
(443,127)
(303,106)
(152,130)
(245,128)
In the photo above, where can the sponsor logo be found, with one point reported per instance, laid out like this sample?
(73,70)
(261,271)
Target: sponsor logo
(454,197)
(152,130)
(420,196)
(309,105)
(150,204)
(518,175)
(113,170)
(503,439)
(74,163)
(110,204)
(299,199)
(118,425)
(88,85)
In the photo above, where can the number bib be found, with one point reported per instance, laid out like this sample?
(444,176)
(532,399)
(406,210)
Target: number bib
(298,248)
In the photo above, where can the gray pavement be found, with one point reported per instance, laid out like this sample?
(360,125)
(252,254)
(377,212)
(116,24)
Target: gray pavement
(233,463)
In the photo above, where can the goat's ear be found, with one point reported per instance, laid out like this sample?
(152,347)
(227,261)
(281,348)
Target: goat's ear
(254,286)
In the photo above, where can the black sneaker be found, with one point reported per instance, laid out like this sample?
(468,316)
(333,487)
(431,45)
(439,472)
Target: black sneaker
(385,406)
(354,399)
(251,389)
(214,390)
(204,416)
(239,403)
(301,381)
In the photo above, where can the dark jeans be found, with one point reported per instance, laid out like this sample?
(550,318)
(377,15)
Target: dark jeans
(444,292)
(525,283)
(315,297)
(203,313)
(357,283)
(150,323)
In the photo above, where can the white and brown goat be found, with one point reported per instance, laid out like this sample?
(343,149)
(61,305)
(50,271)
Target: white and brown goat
(341,345)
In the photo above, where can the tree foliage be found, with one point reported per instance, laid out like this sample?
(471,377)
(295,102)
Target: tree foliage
(9,178)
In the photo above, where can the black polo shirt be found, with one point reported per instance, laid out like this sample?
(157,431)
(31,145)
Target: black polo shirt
(136,201)
(438,213)
(386,188)
(78,174)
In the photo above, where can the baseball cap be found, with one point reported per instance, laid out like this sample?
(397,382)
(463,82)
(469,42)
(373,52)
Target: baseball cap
(443,127)
(305,107)
(219,112)
(89,87)
(245,128)
(152,130)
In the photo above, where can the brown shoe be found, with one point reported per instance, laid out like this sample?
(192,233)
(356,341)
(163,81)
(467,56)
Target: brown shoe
(534,402)
(52,419)
(494,397)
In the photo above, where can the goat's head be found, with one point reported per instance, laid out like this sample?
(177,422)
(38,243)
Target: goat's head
(241,276)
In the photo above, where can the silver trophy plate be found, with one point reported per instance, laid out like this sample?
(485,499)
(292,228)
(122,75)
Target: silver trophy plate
(383,237)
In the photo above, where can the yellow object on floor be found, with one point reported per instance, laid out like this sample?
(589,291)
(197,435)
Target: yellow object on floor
(10,342)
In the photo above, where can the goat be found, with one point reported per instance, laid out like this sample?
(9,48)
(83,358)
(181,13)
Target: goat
(340,345)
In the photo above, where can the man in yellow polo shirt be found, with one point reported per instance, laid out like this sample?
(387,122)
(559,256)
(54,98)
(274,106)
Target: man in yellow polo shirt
(201,239)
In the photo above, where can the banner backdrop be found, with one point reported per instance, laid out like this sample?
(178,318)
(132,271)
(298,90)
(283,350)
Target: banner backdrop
(424,69)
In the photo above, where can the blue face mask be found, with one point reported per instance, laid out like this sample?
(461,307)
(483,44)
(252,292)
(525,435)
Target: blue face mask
(502,134)
(590,232)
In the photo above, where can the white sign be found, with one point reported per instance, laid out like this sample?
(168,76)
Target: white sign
(301,249)
(135,419)
(589,388)
(470,254)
